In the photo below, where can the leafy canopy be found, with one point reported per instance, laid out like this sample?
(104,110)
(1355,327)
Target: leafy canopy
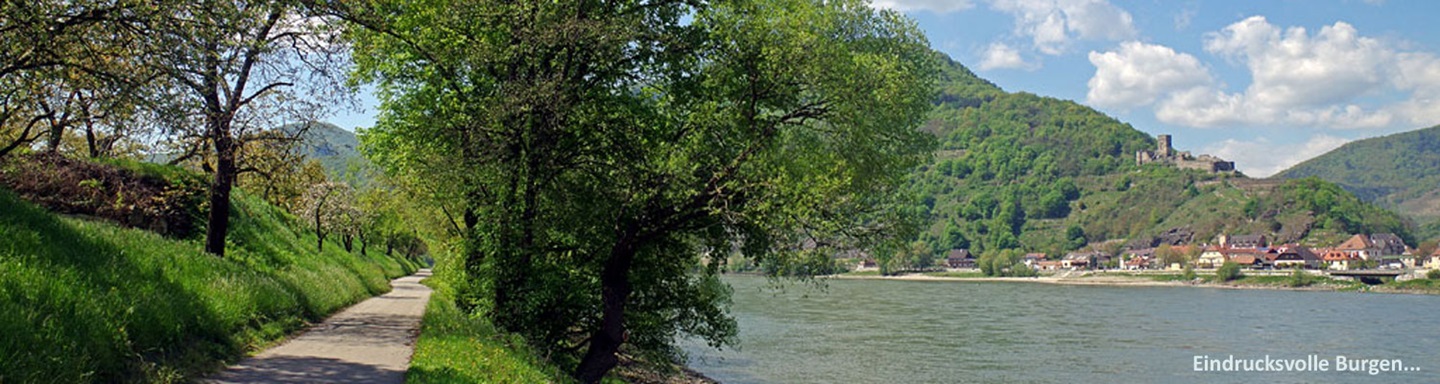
(600,152)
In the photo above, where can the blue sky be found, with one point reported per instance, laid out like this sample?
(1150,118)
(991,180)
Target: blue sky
(1266,84)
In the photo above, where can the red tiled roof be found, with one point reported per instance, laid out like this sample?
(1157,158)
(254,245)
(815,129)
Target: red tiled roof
(1356,242)
(1337,256)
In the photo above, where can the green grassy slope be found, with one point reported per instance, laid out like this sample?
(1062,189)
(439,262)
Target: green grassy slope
(86,301)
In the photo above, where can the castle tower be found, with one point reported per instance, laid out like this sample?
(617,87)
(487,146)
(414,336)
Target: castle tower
(1164,149)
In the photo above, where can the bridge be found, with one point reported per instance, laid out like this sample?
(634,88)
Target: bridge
(1370,276)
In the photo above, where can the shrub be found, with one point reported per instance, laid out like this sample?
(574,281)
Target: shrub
(1434,274)
(1228,271)
(168,201)
(1299,278)
(1189,273)
(1021,270)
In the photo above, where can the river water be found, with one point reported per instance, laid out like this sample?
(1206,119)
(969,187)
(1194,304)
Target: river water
(887,331)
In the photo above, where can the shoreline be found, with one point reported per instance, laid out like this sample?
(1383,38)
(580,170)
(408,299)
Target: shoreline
(1134,281)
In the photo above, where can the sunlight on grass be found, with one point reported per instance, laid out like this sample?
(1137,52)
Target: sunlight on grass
(85,301)
(458,348)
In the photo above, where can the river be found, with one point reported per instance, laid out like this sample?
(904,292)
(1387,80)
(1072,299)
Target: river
(888,331)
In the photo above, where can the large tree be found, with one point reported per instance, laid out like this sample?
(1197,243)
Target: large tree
(240,67)
(605,150)
(65,64)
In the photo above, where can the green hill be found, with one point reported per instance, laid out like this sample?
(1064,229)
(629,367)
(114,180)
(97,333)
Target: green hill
(1400,172)
(85,300)
(337,149)
(1020,171)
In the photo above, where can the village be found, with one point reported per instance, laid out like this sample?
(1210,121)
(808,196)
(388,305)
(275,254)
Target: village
(1381,251)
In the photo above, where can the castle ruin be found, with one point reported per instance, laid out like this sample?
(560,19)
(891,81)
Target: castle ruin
(1165,154)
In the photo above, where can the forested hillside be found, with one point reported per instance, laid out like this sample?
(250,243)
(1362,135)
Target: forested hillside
(1020,171)
(1399,172)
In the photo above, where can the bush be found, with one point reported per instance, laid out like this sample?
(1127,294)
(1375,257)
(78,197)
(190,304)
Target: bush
(1021,270)
(1299,278)
(1228,271)
(1189,273)
(169,201)
(1434,274)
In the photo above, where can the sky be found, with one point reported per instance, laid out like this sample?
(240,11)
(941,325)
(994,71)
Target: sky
(1266,84)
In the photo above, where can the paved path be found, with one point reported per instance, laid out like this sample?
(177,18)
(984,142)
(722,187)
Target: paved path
(370,342)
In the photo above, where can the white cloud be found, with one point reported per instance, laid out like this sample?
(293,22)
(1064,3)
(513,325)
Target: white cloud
(1290,68)
(1051,24)
(1335,78)
(1002,56)
(937,6)
(1137,74)
(1262,158)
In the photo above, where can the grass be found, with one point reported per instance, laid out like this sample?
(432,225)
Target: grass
(1430,286)
(456,347)
(87,301)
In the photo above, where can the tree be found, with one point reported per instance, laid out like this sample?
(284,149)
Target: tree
(329,208)
(240,67)
(66,64)
(1299,278)
(277,170)
(1169,255)
(953,238)
(1003,263)
(609,145)
(1074,237)
(1228,271)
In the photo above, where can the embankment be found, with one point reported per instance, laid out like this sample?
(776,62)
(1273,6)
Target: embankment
(90,301)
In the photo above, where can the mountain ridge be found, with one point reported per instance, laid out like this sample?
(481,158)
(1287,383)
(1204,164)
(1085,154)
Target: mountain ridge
(1399,171)
(1016,170)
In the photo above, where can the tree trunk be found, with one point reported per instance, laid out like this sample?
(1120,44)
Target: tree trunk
(219,220)
(57,133)
(601,357)
(90,140)
(349,241)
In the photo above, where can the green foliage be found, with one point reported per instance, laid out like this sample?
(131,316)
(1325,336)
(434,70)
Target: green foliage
(1067,166)
(163,199)
(1003,263)
(596,150)
(916,256)
(1188,273)
(1228,271)
(1434,274)
(1299,278)
(1074,237)
(455,347)
(1008,159)
(93,302)
(1022,270)
(1338,210)
(1399,172)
